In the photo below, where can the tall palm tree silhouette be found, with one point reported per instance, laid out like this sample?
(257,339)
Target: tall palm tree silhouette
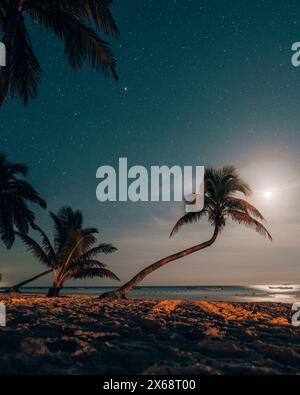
(15,194)
(221,202)
(69,20)
(73,251)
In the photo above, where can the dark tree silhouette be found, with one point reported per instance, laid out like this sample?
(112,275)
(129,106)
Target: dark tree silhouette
(73,21)
(73,252)
(15,194)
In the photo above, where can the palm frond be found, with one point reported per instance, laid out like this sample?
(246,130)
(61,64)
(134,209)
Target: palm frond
(100,11)
(24,190)
(103,248)
(188,219)
(25,70)
(70,239)
(89,238)
(10,170)
(35,249)
(76,244)
(239,185)
(65,222)
(46,244)
(18,168)
(243,205)
(82,44)
(7,227)
(22,215)
(95,272)
(85,264)
(250,222)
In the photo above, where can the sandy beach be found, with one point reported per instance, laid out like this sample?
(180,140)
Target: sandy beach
(83,335)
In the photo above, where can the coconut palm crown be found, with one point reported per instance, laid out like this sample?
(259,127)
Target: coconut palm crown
(222,201)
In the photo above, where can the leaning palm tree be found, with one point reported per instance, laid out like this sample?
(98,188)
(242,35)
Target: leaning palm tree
(75,223)
(15,194)
(222,201)
(73,251)
(69,20)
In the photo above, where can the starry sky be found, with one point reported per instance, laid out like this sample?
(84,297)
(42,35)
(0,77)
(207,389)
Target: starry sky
(202,82)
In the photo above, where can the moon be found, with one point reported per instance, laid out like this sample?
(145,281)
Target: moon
(268,194)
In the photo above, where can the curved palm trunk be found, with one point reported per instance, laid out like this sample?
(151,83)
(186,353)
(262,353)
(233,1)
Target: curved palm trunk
(15,288)
(120,293)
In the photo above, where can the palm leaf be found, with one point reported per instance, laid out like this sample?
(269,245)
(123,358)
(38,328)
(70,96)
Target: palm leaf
(82,43)
(103,248)
(86,263)
(35,249)
(76,244)
(24,190)
(102,16)
(22,215)
(220,182)
(250,222)
(238,185)
(98,11)
(18,168)
(95,272)
(7,226)
(46,244)
(188,219)
(25,70)
(243,205)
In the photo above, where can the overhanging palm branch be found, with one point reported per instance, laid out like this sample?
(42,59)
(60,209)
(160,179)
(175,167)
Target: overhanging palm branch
(78,23)
(25,70)
(97,10)
(89,48)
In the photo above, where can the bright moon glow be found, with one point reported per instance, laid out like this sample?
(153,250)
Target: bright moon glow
(268,194)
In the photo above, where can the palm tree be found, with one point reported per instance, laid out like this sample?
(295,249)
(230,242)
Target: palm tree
(15,194)
(221,202)
(73,252)
(69,20)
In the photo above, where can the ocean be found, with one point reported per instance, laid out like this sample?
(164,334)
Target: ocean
(255,293)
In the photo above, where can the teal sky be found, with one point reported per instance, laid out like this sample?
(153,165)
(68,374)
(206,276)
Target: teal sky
(201,83)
